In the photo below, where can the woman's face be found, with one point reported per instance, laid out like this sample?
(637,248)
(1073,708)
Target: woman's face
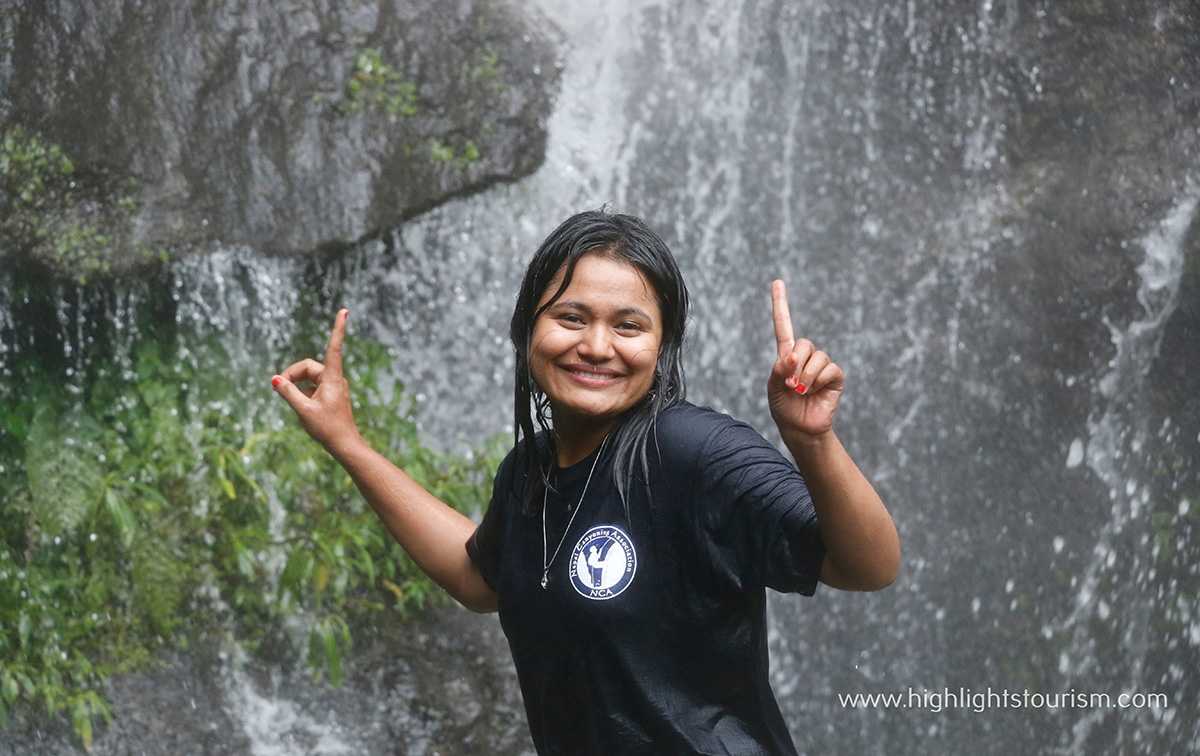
(594,351)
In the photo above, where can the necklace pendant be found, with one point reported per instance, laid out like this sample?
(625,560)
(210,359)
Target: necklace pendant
(545,578)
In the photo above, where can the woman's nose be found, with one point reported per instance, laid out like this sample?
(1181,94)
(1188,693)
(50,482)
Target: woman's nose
(596,343)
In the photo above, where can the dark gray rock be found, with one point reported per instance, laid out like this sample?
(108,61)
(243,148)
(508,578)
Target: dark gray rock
(238,121)
(442,683)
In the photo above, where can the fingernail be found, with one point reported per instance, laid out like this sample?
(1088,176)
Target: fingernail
(792,381)
(799,388)
(276,381)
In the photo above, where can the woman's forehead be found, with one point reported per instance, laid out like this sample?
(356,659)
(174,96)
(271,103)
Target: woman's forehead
(603,274)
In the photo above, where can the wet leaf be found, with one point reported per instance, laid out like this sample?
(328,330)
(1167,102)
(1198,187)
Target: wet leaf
(83,723)
(122,517)
(226,484)
(315,653)
(298,566)
(333,655)
(63,469)
(23,627)
(395,589)
(322,577)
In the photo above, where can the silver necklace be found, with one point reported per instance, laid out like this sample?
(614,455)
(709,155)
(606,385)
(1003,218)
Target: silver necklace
(545,546)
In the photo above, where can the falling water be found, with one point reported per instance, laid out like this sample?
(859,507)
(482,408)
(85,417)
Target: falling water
(866,155)
(1120,448)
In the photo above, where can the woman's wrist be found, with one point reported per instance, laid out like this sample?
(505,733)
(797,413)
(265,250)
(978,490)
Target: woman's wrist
(810,445)
(348,447)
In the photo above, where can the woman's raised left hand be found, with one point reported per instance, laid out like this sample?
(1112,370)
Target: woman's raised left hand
(805,386)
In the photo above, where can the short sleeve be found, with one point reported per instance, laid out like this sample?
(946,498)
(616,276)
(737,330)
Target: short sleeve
(485,544)
(755,524)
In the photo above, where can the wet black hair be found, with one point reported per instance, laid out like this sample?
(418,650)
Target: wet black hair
(620,237)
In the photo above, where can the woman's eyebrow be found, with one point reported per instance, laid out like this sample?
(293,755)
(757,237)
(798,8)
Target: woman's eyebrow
(634,311)
(623,312)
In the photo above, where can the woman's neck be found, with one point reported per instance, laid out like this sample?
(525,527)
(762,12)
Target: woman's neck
(573,442)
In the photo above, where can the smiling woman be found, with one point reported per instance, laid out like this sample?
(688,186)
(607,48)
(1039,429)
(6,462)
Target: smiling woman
(635,613)
(595,350)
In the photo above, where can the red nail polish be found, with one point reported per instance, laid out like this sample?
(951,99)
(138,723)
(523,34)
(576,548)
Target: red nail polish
(799,388)
(791,381)
(276,381)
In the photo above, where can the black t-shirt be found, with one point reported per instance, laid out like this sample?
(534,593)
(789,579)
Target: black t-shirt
(650,636)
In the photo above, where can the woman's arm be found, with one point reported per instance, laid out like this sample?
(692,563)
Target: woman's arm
(433,534)
(862,549)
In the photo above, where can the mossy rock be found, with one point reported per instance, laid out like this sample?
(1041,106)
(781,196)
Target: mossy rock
(287,130)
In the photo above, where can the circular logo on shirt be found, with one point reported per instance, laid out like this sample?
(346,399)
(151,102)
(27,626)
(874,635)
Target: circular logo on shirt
(603,563)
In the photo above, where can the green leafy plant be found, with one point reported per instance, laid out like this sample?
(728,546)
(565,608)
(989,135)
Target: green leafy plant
(29,167)
(443,153)
(377,85)
(487,70)
(164,502)
(48,213)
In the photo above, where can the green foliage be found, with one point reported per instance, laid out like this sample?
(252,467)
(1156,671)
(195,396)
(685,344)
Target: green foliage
(29,168)
(46,213)
(33,178)
(61,462)
(167,500)
(487,79)
(488,68)
(443,153)
(377,85)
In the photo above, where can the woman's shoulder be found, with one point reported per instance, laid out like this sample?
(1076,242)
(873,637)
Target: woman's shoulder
(690,432)
(685,416)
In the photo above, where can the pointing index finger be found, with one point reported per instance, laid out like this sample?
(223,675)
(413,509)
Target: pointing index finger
(333,353)
(784,339)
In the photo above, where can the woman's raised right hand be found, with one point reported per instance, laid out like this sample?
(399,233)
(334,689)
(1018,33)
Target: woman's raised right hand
(323,404)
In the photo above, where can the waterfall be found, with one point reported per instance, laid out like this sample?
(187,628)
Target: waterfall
(880,158)
(1121,448)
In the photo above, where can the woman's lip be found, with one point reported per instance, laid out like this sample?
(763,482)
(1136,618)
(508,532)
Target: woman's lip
(591,374)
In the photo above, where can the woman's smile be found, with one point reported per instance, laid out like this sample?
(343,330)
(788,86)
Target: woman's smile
(597,376)
(595,348)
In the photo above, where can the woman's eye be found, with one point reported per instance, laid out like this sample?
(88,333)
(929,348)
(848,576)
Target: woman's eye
(570,317)
(630,326)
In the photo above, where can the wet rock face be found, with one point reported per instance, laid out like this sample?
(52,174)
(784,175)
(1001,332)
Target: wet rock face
(284,126)
(442,683)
